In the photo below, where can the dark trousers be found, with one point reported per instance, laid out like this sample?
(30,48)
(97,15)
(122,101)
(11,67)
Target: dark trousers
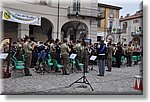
(34,59)
(57,57)
(129,59)
(101,65)
(118,61)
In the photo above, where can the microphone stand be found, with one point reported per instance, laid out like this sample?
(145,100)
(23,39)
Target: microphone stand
(83,79)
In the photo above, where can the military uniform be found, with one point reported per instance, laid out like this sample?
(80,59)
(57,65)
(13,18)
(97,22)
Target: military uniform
(78,49)
(109,57)
(28,55)
(129,55)
(64,57)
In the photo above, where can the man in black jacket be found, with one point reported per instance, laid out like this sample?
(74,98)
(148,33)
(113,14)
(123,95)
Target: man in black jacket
(101,56)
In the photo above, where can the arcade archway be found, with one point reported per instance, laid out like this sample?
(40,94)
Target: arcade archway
(136,40)
(43,32)
(74,30)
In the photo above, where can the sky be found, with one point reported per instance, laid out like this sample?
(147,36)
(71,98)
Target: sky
(128,6)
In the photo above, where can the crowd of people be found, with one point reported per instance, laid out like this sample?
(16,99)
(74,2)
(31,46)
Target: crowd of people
(35,51)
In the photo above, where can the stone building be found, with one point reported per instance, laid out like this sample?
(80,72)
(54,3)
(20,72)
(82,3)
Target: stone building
(46,19)
(132,28)
(108,27)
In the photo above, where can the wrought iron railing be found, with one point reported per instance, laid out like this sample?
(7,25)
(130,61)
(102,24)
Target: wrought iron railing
(87,12)
(136,33)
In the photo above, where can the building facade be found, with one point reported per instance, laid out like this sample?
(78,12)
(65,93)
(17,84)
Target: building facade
(132,28)
(71,19)
(108,27)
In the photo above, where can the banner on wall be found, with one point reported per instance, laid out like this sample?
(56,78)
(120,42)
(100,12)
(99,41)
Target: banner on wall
(21,18)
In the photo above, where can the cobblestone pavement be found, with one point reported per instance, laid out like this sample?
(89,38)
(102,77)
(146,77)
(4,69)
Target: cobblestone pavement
(118,81)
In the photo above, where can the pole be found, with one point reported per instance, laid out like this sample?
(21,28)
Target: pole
(8,74)
(58,21)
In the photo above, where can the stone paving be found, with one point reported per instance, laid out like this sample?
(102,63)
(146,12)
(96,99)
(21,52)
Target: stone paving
(117,82)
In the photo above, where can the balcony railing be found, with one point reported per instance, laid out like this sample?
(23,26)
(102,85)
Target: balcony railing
(114,31)
(86,12)
(136,33)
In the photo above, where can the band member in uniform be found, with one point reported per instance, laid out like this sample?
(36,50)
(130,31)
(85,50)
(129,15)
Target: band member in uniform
(64,56)
(118,54)
(109,56)
(28,55)
(129,55)
(78,49)
(101,56)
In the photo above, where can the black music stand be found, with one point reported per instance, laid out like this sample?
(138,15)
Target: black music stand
(92,58)
(72,57)
(83,79)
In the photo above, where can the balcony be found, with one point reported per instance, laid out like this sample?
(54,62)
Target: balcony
(137,33)
(86,12)
(114,30)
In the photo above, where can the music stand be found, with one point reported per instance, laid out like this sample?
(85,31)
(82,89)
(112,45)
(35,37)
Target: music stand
(93,58)
(3,55)
(83,78)
(72,57)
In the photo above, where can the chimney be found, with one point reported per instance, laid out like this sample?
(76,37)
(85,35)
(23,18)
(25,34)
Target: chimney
(121,17)
(128,15)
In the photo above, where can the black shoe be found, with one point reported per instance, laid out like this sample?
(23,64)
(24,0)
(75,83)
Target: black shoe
(108,70)
(100,75)
(28,75)
(66,74)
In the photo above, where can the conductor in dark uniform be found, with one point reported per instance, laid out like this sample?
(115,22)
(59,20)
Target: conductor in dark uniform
(101,56)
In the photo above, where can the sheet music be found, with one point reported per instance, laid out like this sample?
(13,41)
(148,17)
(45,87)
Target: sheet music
(73,56)
(3,55)
(93,58)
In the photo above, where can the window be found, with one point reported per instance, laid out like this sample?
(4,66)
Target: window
(124,30)
(99,24)
(125,25)
(111,10)
(76,5)
(140,29)
(136,21)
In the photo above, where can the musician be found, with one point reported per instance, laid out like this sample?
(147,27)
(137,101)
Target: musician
(64,56)
(109,56)
(28,55)
(101,56)
(128,52)
(118,54)
(78,50)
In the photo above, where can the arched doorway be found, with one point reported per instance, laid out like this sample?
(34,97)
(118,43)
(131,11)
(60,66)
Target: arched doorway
(10,30)
(43,32)
(74,30)
(136,40)
(110,37)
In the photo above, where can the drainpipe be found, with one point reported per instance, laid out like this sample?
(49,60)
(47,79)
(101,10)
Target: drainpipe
(58,21)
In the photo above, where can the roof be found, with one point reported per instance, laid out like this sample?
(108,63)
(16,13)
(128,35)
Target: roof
(109,6)
(138,14)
